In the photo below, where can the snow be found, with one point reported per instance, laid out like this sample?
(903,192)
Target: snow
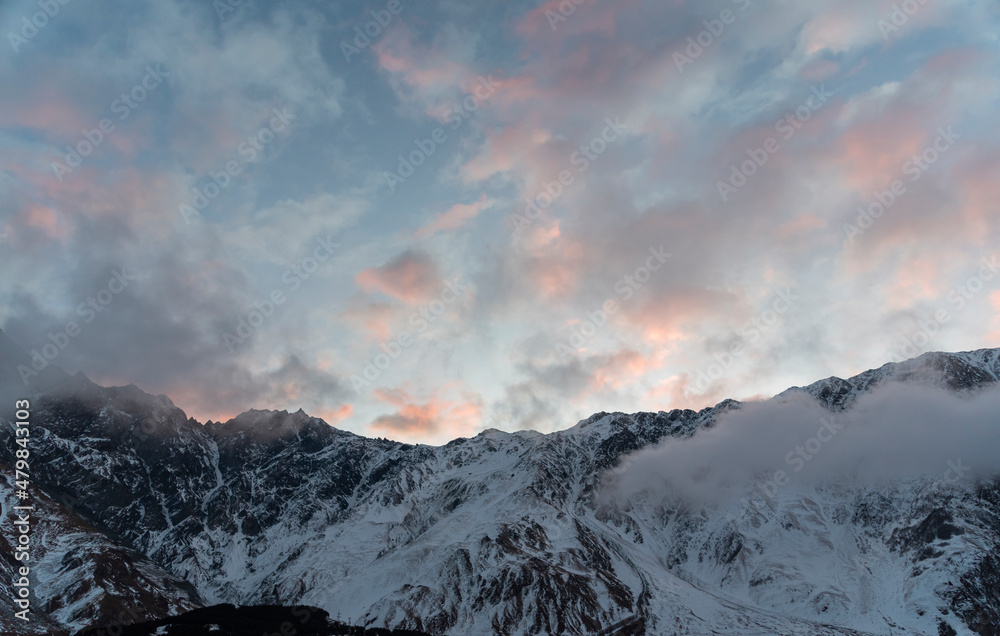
(509,528)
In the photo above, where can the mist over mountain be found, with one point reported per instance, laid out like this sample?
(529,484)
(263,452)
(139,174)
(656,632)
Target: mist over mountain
(897,432)
(659,523)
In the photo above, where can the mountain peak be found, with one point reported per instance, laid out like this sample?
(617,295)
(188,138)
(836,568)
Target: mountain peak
(486,535)
(269,425)
(961,371)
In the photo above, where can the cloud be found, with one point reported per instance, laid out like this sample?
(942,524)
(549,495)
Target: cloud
(410,277)
(454,217)
(436,419)
(164,331)
(623,368)
(333,416)
(428,76)
(656,185)
(527,406)
(376,318)
(896,432)
(553,391)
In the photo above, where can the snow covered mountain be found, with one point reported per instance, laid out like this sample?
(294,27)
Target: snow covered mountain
(503,533)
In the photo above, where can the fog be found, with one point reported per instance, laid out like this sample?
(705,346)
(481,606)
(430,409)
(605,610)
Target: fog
(896,432)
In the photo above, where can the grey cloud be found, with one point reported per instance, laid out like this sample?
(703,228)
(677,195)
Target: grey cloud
(897,432)
(164,331)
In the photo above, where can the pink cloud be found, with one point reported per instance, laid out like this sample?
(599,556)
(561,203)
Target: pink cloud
(436,418)
(454,217)
(677,392)
(428,76)
(54,225)
(190,398)
(980,192)
(554,263)
(549,20)
(333,416)
(838,29)
(800,225)
(46,109)
(625,367)
(374,317)
(55,209)
(670,319)
(503,151)
(920,277)
(411,277)
(873,152)
(994,335)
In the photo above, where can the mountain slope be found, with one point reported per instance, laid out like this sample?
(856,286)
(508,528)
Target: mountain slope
(959,372)
(506,533)
(80,576)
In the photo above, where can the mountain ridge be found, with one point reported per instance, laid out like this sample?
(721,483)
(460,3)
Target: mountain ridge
(959,371)
(499,533)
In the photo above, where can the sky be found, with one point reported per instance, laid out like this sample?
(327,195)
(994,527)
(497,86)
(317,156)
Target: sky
(421,220)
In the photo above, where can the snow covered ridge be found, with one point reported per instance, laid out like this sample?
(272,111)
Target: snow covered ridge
(517,533)
(959,372)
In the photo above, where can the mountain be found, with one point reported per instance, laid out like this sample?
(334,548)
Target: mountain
(959,372)
(502,533)
(228,620)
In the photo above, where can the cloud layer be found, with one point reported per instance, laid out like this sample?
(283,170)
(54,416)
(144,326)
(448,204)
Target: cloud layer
(541,156)
(897,432)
